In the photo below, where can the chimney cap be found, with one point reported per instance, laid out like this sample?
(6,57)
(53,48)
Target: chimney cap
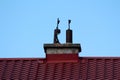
(62,46)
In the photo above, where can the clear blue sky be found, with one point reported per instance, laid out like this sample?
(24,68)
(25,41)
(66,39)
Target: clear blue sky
(25,25)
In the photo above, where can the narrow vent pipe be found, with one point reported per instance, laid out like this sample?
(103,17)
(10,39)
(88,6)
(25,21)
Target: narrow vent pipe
(69,33)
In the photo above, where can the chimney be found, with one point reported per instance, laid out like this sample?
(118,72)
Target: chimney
(58,52)
(69,33)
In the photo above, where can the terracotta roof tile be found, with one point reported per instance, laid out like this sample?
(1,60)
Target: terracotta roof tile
(85,68)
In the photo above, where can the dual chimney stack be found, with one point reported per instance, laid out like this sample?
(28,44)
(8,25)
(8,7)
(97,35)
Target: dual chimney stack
(68,33)
(57,52)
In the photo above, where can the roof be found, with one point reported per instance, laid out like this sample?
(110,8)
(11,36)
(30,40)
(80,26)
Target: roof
(37,68)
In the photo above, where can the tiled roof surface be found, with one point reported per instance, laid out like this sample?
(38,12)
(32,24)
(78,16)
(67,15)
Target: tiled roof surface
(38,69)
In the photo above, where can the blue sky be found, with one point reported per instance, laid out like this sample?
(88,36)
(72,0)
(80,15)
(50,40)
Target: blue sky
(25,25)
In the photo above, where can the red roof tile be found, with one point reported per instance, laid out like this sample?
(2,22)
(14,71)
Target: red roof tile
(85,68)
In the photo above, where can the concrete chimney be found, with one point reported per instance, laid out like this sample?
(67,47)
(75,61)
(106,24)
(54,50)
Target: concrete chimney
(67,52)
(62,52)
